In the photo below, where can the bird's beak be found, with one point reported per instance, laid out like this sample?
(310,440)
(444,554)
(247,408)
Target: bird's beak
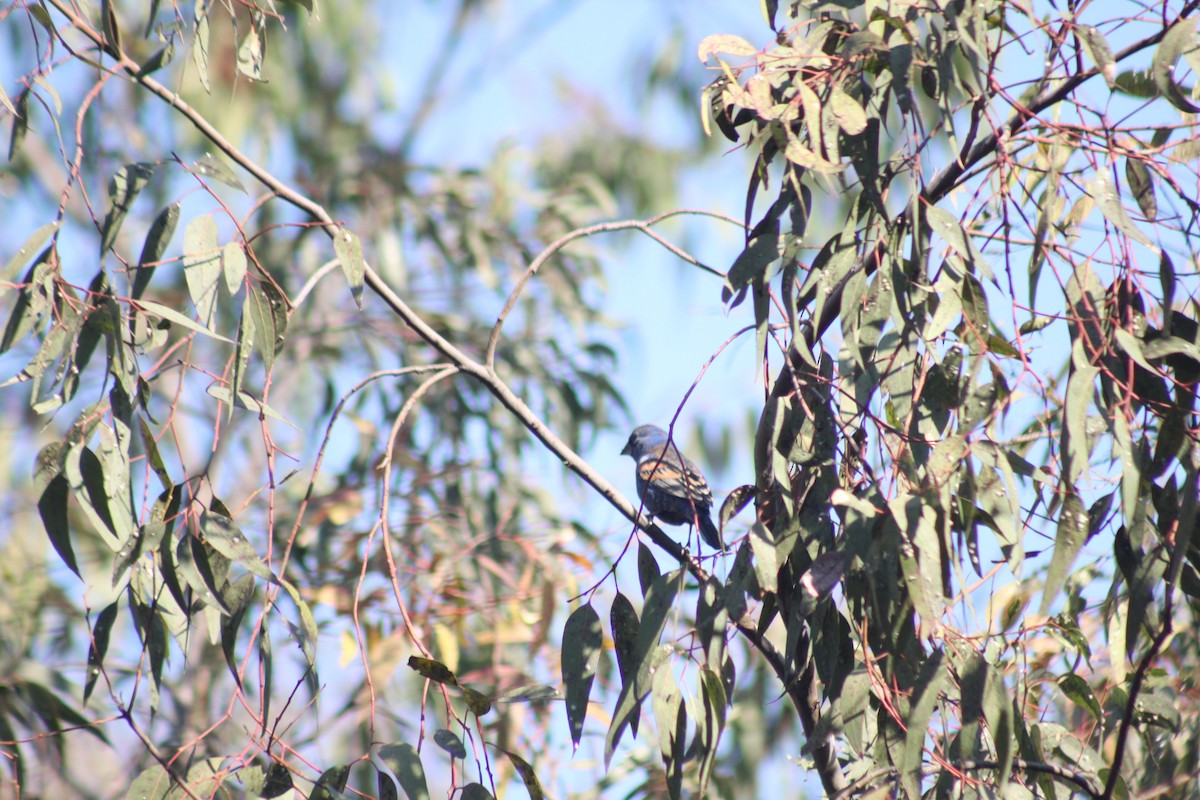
(628,450)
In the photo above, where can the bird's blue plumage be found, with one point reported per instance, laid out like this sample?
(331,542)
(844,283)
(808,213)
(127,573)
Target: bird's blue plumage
(671,487)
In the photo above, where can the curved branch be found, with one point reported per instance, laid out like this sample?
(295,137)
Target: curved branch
(580,233)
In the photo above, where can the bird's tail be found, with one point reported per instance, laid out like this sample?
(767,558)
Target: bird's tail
(709,532)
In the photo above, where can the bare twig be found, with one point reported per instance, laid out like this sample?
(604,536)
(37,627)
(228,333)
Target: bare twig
(644,226)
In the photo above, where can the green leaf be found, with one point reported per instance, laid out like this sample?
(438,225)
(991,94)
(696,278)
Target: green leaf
(387,786)
(478,702)
(1080,693)
(847,111)
(20,126)
(332,784)
(1167,279)
(220,533)
(305,633)
(1180,39)
(269,311)
(1080,388)
(1168,346)
(582,642)
(450,743)
(157,239)
(711,621)
(85,474)
(160,59)
(233,266)
(670,718)
(951,231)
(248,402)
(766,561)
(211,166)
(648,657)
(1136,83)
(530,693)
(647,565)
(1035,323)
(153,783)
(202,266)
(32,302)
(1098,51)
(405,763)
(250,54)
(196,570)
(171,315)
(237,599)
(349,251)
(123,189)
(927,694)
(7,102)
(54,713)
(623,619)
(432,670)
(761,251)
(98,647)
(1141,183)
(200,47)
(36,241)
(1072,533)
(53,493)
(713,702)
(528,776)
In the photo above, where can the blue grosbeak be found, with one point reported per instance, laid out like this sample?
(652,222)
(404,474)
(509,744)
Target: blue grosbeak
(670,486)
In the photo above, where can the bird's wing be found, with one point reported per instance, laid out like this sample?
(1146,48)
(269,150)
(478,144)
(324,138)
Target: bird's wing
(671,477)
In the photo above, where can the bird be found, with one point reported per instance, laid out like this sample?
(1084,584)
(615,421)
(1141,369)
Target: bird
(670,486)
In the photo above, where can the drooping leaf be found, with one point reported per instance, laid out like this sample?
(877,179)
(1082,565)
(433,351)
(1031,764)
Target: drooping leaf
(1098,51)
(405,763)
(123,189)
(954,234)
(154,783)
(1141,183)
(449,742)
(583,640)
(305,633)
(432,670)
(250,54)
(349,251)
(200,48)
(226,538)
(157,239)
(237,599)
(528,776)
(36,241)
(98,647)
(1076,688)
(332,783)
(211,166)
(1072,532)
(233,266)
(269,311)
(173,316)
(649,656)
(1180,39)
(202,266)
